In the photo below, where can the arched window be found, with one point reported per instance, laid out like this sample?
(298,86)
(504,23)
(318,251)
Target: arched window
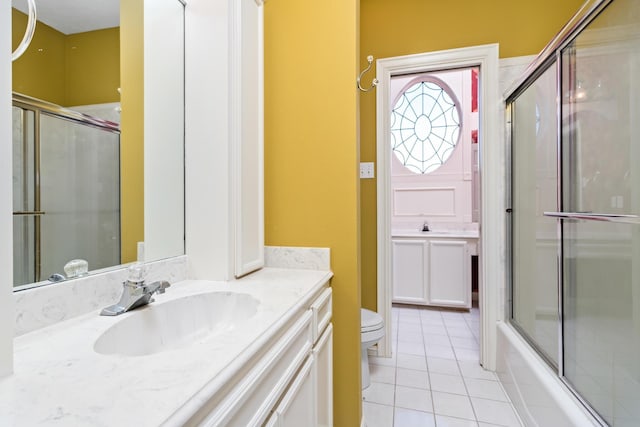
(425,125)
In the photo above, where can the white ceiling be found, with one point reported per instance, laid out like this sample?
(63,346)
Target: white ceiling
(75,16)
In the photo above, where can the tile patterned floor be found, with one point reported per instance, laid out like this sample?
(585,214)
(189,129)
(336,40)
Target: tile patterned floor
(434,378)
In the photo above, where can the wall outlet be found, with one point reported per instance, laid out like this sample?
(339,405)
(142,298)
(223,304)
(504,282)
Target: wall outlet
(366,170)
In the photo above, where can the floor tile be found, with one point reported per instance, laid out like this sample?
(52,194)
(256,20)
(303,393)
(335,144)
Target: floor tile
(491,411)
(441,351)
(409,318)
(457,322)
(452,405)
(410,361)
(434,329)
(452,314)
(468,355)
(379,393)
(430,314)
(459,332)
(414,336)
(464,342)
(413,398)
(382,374)
(410,327)
(383,361)
(442,421)
(447,383)
(434,339)
(474,370)
(410,347)
(485,389)
(412,378)
(443,366)
(410,418)
(435,375)
(376,415)
(432,320)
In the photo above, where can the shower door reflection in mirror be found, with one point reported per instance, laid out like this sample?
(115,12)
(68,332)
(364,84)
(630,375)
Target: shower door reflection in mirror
(66,193)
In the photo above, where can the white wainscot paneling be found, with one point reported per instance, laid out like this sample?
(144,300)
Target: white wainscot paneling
(433,201)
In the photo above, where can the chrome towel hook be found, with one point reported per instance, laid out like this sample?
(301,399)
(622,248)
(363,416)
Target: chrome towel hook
(374,82)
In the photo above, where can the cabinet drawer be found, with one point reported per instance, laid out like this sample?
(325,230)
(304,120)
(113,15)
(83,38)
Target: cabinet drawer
(322,312)
(250,401)
(297,407)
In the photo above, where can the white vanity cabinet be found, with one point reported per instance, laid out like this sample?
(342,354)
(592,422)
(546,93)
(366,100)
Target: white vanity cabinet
(432,271)
(288,384)
(410,271)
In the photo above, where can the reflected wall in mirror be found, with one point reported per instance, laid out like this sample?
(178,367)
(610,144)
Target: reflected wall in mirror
(84,173)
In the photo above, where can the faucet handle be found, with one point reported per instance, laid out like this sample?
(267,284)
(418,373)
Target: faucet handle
(137,272)
(162,286)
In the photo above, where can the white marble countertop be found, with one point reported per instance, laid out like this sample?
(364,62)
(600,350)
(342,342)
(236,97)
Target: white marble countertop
(59,380)
(449,234)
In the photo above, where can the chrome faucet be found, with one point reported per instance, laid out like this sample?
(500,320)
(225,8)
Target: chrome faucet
(135,292)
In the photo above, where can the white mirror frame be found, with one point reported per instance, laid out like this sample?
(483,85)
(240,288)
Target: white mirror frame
(6,218)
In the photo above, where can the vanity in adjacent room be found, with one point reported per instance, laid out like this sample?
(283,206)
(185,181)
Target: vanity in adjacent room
(434,267)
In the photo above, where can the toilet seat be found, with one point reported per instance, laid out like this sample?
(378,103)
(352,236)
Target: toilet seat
(370,321)
(371,331)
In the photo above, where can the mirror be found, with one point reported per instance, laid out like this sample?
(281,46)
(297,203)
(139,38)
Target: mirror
(98,175)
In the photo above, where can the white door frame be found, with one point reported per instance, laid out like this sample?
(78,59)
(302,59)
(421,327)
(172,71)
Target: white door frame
(492,183)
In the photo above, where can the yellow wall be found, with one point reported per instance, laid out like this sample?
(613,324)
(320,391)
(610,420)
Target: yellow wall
(92,67)
(311,157)
(75,69)
(132,125)
(39,72)
(402,27)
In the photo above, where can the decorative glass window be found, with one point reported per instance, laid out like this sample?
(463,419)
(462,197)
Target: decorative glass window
(425,125)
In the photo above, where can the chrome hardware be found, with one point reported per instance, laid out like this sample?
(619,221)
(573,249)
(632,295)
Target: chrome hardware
(135,294)
(590,216)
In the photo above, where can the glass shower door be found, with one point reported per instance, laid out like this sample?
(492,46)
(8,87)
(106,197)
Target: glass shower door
(80,191)
(535,244)
(25,216)
(601,204)
(66,192)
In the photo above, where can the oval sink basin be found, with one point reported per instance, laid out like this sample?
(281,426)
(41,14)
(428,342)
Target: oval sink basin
(176,323)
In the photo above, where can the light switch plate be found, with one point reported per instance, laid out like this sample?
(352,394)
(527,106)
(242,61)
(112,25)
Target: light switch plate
(366,170)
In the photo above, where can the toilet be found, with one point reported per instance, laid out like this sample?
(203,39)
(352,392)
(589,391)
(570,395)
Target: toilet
(371,331)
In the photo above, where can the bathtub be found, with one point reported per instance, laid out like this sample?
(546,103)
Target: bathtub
(537,393)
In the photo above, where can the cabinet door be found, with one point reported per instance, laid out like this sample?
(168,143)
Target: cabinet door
(409,271)
(298,406)
(449,283)
(247,135)
(323,377)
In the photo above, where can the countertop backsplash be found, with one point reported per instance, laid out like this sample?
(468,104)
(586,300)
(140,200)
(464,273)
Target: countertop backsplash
(38,307)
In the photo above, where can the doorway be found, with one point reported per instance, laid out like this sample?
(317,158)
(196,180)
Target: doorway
(491,173)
